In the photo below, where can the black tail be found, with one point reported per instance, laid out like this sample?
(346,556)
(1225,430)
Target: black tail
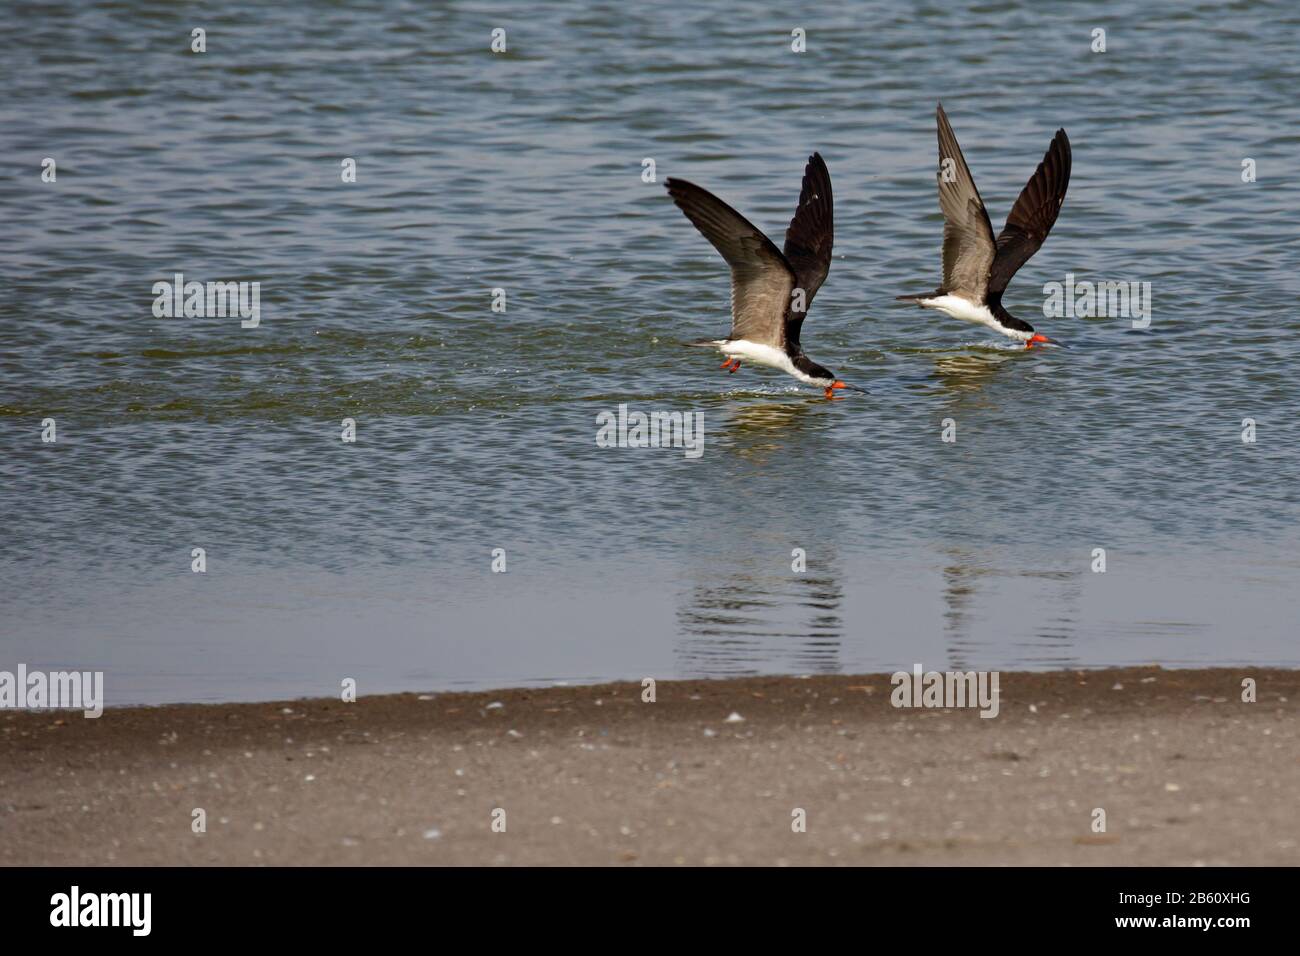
(922,295)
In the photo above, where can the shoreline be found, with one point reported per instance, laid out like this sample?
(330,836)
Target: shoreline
(1185,771)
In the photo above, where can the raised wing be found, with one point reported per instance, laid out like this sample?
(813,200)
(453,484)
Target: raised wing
(809,238)
(1033,215)
(761,279)
(968,248)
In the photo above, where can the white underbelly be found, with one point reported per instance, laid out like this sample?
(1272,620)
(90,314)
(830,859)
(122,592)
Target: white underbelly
(964,309)
(968,311)
(760,354)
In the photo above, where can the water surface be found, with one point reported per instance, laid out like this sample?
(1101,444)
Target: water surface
(476,429)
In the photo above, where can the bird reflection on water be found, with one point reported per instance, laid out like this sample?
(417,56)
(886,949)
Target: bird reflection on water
(757,621)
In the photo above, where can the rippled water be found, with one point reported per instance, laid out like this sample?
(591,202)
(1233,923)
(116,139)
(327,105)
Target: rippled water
(476,429)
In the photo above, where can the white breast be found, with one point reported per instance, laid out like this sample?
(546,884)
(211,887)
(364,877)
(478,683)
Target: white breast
(960,308)
(760,354)
(968,311)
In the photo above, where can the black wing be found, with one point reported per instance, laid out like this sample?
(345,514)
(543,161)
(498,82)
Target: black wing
(809,238)
(1033,215)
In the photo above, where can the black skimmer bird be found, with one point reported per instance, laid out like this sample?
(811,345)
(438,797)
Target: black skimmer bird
(977,267)
(770,290)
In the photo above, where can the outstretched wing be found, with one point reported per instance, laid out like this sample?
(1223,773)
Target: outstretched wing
(761,279)
(809,238)
(1034,213)
(968,247)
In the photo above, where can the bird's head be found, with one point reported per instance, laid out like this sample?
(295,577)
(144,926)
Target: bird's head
(823,377)
(819,374)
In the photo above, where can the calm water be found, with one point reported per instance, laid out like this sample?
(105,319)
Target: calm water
(476,430)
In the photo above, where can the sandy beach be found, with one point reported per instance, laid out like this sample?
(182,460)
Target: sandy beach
(1186,772)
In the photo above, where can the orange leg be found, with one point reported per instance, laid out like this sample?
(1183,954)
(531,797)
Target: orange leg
(735,367)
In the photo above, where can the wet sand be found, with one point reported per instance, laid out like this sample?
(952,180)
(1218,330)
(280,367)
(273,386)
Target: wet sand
(1186,772)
